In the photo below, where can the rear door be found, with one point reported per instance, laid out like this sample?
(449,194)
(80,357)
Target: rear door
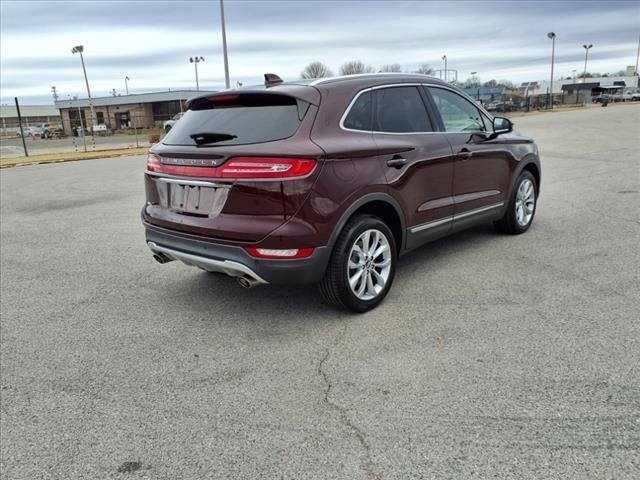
(482,167)
(418,161)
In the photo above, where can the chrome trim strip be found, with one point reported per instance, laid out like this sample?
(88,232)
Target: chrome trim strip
(228,267)
(435,223)
(477,210)
(442,221)
(321,81)
(161,177)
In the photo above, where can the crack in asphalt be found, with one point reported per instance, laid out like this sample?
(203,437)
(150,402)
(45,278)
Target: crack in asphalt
(369,466)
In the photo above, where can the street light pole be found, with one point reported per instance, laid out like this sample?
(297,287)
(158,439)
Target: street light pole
(444,57)
(79,49)
(195,61)
(586,55)
(224,47)
(552,36)
(126,84)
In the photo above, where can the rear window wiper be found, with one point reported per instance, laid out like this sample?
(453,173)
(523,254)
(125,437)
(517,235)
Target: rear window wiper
(211,137)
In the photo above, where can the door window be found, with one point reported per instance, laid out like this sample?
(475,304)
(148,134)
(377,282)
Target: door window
(400,110)
(458,114)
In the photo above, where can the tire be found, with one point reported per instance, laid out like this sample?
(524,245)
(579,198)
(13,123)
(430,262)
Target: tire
(365,231)
(522,206)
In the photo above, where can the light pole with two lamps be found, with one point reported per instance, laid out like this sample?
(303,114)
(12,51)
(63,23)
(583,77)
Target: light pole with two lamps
(79,49)
(195,61)
(586,55)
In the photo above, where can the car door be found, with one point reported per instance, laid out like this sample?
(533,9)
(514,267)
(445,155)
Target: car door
(418,162)
(482,165)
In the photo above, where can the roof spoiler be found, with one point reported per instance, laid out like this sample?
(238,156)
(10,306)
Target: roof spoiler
(271,79)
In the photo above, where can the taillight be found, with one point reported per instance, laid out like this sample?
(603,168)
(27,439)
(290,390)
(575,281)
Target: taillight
(153,163)
(239,167)
(266,167)
(279,253)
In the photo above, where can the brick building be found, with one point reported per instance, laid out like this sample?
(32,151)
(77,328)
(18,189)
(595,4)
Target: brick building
(122,112)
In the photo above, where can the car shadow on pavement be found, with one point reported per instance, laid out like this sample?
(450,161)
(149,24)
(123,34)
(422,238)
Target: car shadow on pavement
(216,291)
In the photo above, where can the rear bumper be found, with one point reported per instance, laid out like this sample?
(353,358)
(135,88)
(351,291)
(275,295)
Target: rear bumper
(234,260)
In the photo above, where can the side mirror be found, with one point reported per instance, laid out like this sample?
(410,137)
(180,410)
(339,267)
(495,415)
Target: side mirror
(502,125)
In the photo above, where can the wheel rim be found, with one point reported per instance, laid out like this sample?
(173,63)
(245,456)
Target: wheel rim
(369,264)
(525,202)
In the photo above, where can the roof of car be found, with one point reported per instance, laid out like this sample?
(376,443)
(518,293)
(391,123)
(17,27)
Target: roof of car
(299,88)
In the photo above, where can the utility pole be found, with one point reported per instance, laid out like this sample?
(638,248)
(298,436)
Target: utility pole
(552,36)
(24,144)
(126,84)
(638,57)
(224,47)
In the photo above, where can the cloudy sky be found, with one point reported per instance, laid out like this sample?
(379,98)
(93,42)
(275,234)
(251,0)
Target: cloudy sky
(151,41)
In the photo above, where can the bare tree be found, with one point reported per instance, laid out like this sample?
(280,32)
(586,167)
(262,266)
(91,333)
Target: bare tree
(472,82)
(355,66)
(394,67)
(425,69)
(316,70)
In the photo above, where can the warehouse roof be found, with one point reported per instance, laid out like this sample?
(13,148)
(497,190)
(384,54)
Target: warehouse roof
(172,95)
(9,111)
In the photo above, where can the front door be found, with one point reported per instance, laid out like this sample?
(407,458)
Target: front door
(418,162)
(482,166)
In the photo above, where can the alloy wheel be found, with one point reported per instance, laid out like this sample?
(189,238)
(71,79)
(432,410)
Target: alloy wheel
(369,264)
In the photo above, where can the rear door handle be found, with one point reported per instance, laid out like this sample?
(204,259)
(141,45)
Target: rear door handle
(397,162)
(464,154)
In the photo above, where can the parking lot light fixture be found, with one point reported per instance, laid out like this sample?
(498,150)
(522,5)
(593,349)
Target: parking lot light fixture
(552,37)
(79,49)
(195,61)
(126,84)
(586,55)
(444,58)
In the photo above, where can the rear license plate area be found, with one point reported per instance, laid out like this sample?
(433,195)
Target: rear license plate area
(191,199)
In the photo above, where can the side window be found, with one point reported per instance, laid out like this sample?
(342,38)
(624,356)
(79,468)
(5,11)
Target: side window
(359,116)
(458,114)
(400,110)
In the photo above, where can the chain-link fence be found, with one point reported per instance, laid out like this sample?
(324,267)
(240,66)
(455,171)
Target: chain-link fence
(76,133)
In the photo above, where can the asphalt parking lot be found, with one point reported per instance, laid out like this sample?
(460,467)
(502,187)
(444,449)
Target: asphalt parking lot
(11,147)
(492,357)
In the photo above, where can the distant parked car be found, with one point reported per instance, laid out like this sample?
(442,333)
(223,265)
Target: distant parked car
(168,125)
(29,131)
(100,129)
(51,129)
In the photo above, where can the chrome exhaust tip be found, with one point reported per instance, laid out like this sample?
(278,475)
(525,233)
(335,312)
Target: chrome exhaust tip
(161,258)
(247,282)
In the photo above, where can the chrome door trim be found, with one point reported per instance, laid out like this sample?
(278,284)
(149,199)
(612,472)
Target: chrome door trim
(432,224)
(475,211)
(450,218)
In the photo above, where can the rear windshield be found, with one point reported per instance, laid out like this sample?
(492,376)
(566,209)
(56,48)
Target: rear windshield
(238,119)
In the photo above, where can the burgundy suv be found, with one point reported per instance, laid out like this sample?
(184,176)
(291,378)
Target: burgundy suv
(331,180)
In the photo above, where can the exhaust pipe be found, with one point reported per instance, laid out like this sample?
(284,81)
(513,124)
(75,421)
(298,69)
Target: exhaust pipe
(247,282)
(161,258)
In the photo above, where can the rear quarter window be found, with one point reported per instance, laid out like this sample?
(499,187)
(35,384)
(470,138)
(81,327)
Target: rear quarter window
(249,118)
